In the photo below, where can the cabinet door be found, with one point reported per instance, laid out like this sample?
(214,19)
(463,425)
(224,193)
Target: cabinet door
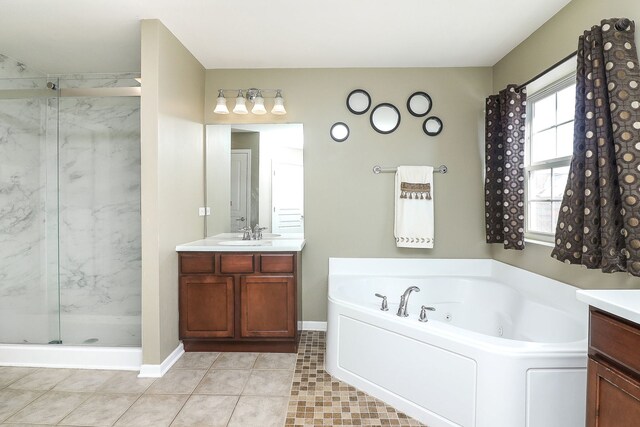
(267,306)
(206,306)
(613,398)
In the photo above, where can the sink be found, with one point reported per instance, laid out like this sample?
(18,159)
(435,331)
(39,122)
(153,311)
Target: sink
(245,243)
(239,235)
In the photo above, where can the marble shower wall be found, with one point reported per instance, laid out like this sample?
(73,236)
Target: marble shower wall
(84,152)
(28,297)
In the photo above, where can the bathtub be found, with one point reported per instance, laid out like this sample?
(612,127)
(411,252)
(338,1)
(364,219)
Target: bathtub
(504,348)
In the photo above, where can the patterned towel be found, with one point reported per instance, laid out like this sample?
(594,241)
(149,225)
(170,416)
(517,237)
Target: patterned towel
(414,207)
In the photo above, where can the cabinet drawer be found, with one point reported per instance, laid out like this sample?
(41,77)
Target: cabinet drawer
(615,340)
(236,263)
(200,263)
(281,263)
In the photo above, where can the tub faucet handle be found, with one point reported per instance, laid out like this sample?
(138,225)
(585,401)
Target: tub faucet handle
(385,306)
(423,313)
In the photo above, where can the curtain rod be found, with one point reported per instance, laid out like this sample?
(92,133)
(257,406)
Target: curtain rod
(621,25)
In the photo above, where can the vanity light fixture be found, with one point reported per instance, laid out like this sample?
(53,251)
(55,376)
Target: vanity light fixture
(258,104)
(278,104)
(221,104)
(241,104)
(253,95)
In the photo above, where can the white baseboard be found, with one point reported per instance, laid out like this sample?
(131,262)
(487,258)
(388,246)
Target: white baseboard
(314,326)
(157,371)
(67,356)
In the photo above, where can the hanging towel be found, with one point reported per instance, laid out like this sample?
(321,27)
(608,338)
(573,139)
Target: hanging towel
(414,207)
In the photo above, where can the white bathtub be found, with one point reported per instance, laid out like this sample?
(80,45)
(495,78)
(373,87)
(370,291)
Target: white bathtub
(504,348)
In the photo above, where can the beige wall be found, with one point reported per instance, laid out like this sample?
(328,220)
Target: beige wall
(172,178)
(553,41)
(348,209)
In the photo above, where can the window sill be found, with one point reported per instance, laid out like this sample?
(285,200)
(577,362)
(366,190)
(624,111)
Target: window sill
(539,242)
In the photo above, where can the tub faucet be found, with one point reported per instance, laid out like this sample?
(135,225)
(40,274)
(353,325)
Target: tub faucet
(404,301)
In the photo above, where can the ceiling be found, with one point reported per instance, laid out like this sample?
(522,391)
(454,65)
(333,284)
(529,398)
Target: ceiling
(64,36)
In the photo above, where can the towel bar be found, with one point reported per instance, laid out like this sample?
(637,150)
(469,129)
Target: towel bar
(379,169)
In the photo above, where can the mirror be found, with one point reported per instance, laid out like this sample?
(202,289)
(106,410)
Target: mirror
(432,126)
(385,118)
(254,175)
(339,132)
(358,101)
(419,104)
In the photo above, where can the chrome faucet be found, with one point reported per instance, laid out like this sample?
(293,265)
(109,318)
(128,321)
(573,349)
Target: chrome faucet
(404,301)
(257,232)
(246,233)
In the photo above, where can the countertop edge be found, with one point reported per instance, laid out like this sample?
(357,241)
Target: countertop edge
(294,245)
(598,299)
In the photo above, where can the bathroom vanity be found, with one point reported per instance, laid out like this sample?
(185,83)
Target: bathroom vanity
(613,388)
(236,296)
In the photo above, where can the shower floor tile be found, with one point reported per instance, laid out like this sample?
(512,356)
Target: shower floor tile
(201,389)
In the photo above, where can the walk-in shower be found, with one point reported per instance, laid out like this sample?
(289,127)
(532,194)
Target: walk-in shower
(69,209)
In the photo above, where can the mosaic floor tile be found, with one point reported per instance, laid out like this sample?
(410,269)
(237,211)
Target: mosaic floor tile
(318,399)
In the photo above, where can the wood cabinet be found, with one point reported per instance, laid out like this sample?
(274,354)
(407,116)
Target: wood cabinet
(613,384)
(240,301)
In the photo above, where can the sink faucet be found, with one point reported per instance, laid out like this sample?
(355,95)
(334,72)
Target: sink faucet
(257,232)
(404,300)
(246,233)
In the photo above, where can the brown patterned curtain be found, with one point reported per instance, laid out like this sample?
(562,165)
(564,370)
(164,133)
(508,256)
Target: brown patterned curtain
(599,221)
(504,178)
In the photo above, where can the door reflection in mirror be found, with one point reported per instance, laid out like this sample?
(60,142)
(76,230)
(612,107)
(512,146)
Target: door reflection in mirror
(255,175)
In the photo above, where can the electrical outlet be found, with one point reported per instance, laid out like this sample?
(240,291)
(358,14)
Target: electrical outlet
(208,210)
(201,211)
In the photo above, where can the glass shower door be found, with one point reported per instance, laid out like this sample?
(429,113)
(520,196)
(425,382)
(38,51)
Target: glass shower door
(29,294)
(100,245)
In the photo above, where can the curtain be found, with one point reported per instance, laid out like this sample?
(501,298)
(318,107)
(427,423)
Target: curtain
(599,219)
(504,177)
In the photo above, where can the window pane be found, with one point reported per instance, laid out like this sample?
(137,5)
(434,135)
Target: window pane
(544,113)
(555,209)
(566,104)
(540,217)
(565,140)
(559,182)
(543,145)
(540,184)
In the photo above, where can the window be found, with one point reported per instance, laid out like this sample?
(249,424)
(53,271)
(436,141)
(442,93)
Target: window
(549,146)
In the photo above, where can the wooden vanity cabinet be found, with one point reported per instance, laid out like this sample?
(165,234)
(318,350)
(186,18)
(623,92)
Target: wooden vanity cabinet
(240,301)
(613,373)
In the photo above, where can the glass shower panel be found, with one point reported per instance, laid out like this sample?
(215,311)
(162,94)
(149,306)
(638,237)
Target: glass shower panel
(100,248)
(29,310)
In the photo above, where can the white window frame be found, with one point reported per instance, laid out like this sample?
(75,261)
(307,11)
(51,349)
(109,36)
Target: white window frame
(540,92)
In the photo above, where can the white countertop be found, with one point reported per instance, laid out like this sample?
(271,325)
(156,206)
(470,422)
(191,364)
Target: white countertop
(623,303)
(232,242)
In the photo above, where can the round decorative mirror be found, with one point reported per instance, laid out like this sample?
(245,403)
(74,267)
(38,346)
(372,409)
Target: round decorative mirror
(419,104)
(432,126)
(385,118)
(339,132)
(358,101)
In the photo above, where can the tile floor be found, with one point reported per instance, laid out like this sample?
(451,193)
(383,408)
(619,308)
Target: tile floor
(201,389)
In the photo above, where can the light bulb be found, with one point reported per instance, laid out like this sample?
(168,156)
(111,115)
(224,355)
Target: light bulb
(221,104)
(258,105)
(278,104)
(241,107)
